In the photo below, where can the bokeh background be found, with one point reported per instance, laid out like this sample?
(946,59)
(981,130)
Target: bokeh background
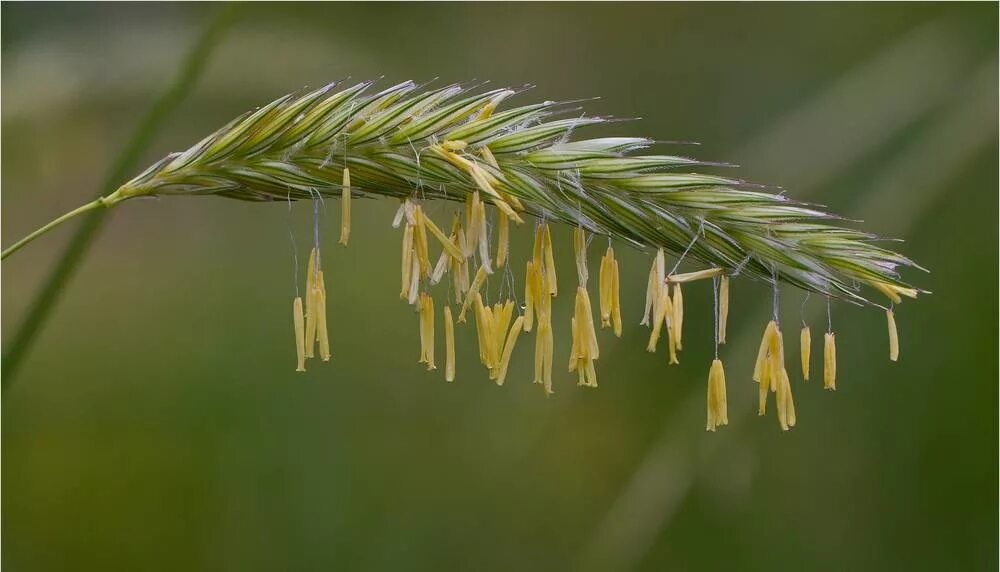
(158,424)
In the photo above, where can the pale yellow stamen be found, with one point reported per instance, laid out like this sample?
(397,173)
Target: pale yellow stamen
(762,351)
(893,336)
(604,281)
(805,348)
(471,224)
(298,320)
(407,265)
(483,179)
(444,262)
(321,332)
(345,208)
(657,274)
(723,307)
(508,349)
(718,410)
(830,361)
(484,242)
(662,313)
(678,325)
(529,296)
(477,283)
(447,243)
(616,309)
(893,292)
(414,289)
(422,328)
(550,263)
(449,345)
(668,317)
(311,302)
(429,311)
(692,276)
(580,253)
(503,238)
(420,241)
(783,400)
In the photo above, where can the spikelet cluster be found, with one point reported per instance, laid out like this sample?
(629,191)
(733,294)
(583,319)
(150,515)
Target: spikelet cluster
(522,163)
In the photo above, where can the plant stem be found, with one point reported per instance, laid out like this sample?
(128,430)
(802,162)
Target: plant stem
(191,67)
(51,225)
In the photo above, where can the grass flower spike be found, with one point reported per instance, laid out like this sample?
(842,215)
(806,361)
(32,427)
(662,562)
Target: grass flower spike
(527,163)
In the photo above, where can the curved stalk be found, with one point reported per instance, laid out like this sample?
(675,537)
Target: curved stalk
(101,202)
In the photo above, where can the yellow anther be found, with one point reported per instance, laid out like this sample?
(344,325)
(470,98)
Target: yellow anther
(345,208)
(893,336)
(298,320)
(616,309)
(657,273)
(503,238)
(830,361)
(580,253)
(678,324)
(477,283)
(762,351)
(407,263)
(718,410)
(449,345)
(692,276)
(805,343)
(508,348)
(321,332)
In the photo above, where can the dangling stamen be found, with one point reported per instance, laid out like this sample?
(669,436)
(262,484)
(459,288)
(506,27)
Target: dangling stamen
(484,242)
(311,301)
(503,238)
(829,361)
(508,348)
(718,411)
(723,307)
(783,400)
(407,265)
(484,328)
(662,311)
(443,263)
(657,274)
(502,314)
(893,335)
(471,223)
(321,332)
(692,276)
(428,303)
(422,328)
(449,345)
(420,242)
(604,280)
(298,320)
(477,283)
(677,301)
(414,289)
(550,263)
(829,352)
(580,253)
(616,309)
(805,343)
(529,296)
(765,342)
(447,243)
(345,208)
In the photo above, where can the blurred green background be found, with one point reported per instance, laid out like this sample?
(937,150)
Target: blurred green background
(158,423)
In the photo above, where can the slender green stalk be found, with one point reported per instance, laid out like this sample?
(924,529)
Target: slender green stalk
(51,225)
(79,244)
